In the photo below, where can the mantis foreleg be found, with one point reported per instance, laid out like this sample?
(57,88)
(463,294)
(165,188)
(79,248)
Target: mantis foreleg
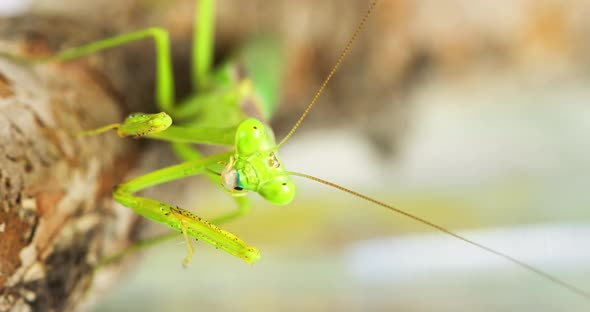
(178,218)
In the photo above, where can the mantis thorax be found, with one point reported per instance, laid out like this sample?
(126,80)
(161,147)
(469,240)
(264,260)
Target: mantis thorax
(255,165)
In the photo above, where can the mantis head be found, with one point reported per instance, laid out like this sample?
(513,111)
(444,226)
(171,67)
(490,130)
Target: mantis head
(255,165)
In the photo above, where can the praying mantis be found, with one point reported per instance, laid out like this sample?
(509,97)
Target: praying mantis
(255,152)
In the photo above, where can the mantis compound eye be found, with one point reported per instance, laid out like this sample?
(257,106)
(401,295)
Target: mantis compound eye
(278,192)
(249,137)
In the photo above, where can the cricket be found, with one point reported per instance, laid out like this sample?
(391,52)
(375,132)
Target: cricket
(215,115)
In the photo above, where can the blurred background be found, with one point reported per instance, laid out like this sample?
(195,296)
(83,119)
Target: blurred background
(470,114)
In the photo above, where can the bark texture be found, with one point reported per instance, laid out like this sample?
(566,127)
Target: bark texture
(56,213)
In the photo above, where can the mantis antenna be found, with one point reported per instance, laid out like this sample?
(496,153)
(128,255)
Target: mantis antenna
(521,264)
(334,69)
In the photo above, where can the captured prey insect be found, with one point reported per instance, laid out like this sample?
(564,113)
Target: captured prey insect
(213,116)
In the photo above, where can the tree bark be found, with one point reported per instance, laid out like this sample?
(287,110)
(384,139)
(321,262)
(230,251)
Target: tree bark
(56,213)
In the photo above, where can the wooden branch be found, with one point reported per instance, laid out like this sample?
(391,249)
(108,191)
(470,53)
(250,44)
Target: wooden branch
(57,218)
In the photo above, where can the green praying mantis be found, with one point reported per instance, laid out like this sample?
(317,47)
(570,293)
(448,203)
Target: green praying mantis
(212,115)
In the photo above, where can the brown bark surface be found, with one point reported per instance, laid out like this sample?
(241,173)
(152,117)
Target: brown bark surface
(56,214)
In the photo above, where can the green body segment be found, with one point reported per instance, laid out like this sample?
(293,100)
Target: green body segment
(219,107)
(264,62)
(247,85)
